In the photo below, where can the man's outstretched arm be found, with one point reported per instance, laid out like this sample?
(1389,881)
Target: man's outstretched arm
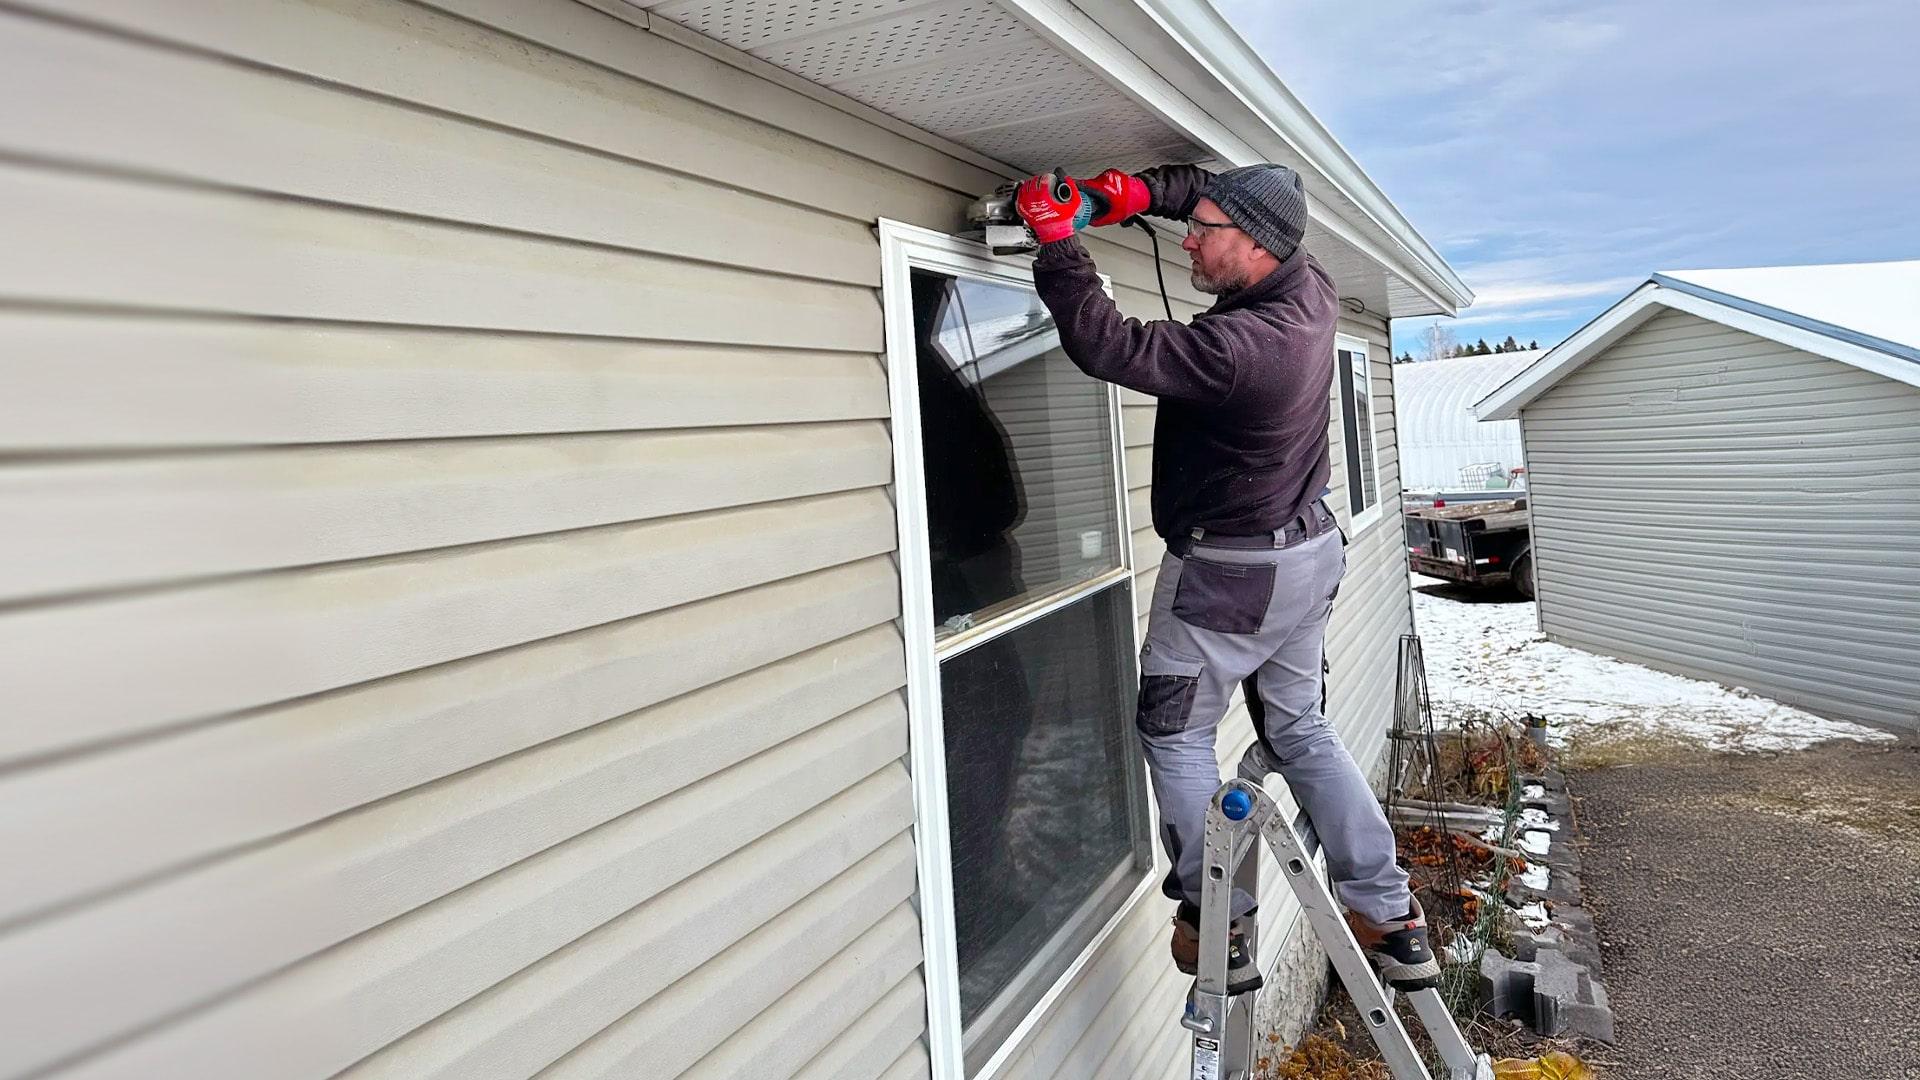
(1172,190)
(1190,362)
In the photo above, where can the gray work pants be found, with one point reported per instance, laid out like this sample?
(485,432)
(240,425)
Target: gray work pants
(1230,616)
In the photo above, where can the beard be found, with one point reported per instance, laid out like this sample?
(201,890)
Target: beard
(1217,286)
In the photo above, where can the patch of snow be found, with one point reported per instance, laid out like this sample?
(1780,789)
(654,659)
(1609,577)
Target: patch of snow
(1532,792)
(1536,877)
(1535,818)
(1873,298)
(1463,950)
(1535,841)
(1534,915)
(1493,657)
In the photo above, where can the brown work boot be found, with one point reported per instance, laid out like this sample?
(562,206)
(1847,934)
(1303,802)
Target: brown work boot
(1399,949)
(1243,975)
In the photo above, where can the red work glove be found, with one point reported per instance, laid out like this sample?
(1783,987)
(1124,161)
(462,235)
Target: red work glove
(1050,217)
(1125,196)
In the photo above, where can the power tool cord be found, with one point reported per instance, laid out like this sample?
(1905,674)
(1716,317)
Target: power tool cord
(1158,271)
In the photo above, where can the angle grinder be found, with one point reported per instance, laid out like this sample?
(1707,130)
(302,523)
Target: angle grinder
(994,221)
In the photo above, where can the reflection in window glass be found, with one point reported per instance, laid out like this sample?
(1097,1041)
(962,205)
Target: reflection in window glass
(1018,445)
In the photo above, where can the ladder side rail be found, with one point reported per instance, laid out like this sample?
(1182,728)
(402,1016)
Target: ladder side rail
(1349,962)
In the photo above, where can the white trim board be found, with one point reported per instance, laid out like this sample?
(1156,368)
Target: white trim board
(1212,41)
(1649,300)
(1368,517)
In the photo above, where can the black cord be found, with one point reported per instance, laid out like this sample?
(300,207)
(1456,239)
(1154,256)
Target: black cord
(1158,271)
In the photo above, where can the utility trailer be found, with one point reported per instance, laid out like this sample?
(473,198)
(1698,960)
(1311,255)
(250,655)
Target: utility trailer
(1485,542)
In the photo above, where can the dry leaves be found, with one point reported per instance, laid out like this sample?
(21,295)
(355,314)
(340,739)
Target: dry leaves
(1318,1058)
(1554,1066)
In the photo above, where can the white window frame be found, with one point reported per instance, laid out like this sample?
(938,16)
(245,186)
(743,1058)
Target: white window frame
(1363,384)
(904,247)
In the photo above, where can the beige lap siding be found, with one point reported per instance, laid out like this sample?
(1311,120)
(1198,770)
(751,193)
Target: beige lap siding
(450,612)
(447,605)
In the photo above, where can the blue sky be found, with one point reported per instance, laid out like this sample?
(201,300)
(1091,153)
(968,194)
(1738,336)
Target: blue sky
(1557,153)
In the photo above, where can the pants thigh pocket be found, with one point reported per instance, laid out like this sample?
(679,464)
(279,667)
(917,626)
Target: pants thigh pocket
(1231,598)
(1168,684)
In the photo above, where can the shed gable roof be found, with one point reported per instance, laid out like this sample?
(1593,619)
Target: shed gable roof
(1863,314)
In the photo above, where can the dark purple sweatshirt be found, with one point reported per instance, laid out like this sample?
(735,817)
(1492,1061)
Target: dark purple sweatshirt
(1240,439)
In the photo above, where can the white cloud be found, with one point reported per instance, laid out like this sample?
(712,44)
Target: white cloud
(1521,294)
(1506,317)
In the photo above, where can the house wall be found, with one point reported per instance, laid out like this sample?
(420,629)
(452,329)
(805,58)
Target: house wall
(447,616)
(1719,505)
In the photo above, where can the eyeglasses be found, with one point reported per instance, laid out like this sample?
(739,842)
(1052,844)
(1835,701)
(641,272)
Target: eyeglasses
(1198,228)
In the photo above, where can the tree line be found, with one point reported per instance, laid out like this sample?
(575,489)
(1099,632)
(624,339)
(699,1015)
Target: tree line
(1438,344)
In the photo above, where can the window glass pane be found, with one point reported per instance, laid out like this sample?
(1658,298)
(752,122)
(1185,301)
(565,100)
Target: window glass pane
(1044,800)
(1018,445)
(1358,462)
(1363,427)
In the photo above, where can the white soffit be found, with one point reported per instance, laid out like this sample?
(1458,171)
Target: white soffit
(966,70)
(1037,83)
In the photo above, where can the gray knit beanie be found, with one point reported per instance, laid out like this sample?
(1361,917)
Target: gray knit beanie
(1267,202)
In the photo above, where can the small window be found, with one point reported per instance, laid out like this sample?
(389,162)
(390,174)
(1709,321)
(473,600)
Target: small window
(1356,429)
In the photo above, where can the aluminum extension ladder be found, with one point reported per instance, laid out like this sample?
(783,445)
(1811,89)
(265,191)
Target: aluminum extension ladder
(1223,1026)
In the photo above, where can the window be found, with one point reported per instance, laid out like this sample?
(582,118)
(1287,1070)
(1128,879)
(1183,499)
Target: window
(1020,625)
(1356,429)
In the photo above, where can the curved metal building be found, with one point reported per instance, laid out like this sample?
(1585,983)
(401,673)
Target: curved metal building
(1440,440)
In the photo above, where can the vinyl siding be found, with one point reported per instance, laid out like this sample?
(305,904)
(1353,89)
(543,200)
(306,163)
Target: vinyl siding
(484,633)
(1722,506)
(471,579)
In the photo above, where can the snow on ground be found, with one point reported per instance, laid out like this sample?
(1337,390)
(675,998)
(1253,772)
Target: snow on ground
(1491,657)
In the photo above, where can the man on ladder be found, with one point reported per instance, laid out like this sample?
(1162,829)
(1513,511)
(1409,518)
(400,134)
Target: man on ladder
(1254,557)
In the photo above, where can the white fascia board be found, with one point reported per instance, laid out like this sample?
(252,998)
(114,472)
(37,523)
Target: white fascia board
(1069,29)
(1611,325)
(1645,302)
(1213,42)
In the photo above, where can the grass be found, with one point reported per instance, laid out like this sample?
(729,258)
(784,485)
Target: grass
(1610,749)
(1862,809)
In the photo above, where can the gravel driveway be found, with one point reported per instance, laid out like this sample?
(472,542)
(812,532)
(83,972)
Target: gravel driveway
(1759,913)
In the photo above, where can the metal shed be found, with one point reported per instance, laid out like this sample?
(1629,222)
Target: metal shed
(1723,470)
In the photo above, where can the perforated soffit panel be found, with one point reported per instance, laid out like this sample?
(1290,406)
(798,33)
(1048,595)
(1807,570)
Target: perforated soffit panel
(963,69)
(969,71)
